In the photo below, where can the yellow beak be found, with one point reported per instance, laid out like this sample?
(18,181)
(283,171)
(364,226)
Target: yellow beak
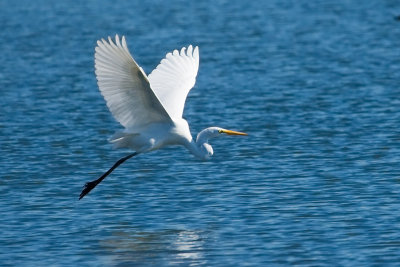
(232,132)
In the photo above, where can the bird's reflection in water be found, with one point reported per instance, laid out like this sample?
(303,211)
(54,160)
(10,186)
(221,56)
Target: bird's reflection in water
(127,248)
(189,245)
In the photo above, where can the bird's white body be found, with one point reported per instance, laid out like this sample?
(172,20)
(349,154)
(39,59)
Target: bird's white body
(153,136)
(158,135)
(149,107)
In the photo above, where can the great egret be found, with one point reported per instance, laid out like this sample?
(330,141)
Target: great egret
(149,107)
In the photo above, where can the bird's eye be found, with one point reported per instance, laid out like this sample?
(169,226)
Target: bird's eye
(220,131)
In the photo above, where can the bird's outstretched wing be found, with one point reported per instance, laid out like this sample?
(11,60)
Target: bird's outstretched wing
(174,77)
(125,86)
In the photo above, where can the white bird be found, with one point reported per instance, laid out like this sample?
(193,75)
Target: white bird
(149,107)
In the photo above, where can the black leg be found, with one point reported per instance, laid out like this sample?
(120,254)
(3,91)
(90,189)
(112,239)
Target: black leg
(90,185)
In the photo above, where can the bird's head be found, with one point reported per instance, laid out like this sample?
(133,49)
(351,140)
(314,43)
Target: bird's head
(211,132)
(217,131)
(229,132)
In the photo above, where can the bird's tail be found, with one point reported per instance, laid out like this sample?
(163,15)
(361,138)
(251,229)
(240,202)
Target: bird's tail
(122,140)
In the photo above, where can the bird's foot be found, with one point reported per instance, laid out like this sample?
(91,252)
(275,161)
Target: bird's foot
(88,187)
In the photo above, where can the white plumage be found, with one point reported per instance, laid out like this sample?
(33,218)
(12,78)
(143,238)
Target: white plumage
(125,86)
(135,99)
(174,77)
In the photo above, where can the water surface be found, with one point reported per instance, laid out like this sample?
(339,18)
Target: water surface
(316,85)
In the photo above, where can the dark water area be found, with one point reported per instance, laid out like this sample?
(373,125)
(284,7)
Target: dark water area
(316,182)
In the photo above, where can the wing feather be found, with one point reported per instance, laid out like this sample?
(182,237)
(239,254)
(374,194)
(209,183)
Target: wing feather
(125,86)
(174,77)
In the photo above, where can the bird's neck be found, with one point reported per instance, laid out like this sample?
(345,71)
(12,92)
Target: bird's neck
(201,148)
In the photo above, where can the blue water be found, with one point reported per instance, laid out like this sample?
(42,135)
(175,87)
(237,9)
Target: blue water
(316,182)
